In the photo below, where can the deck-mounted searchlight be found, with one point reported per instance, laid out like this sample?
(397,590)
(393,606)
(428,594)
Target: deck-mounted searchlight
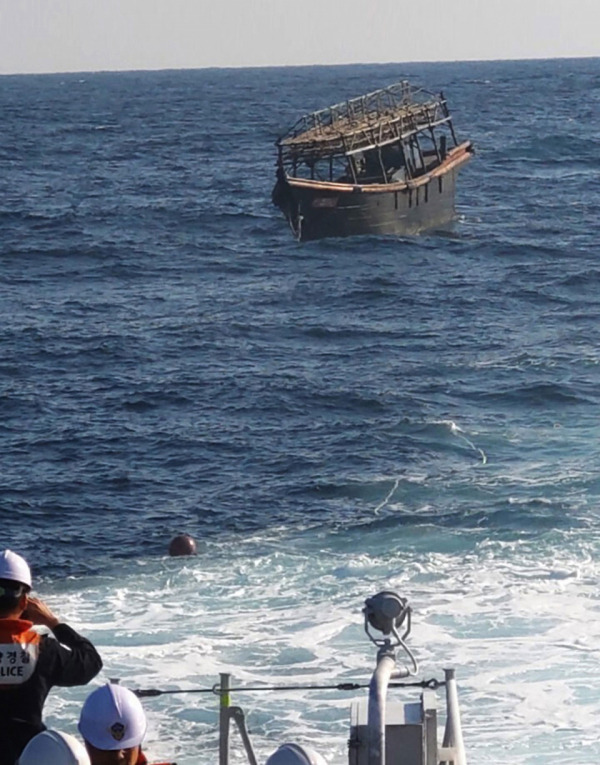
(386,612)
(406,735)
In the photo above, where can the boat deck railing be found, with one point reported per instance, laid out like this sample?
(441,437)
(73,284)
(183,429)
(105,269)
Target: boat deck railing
(387,623)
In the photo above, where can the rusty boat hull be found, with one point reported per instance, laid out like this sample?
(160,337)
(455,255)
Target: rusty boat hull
(385,164)
(317,210)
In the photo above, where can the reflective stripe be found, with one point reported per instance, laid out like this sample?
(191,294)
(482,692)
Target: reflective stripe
(19,651)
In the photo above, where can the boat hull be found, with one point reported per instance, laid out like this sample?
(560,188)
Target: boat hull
(316,210)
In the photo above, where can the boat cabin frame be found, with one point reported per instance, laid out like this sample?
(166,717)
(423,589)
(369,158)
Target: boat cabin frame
(397,133)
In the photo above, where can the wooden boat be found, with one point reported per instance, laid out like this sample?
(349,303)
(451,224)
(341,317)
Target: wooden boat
(383,163)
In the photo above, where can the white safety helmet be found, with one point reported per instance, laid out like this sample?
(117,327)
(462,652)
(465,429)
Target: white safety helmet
(50,747)
(14,568)
(294,754)
(112,718)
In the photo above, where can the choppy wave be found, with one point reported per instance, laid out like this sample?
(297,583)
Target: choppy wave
(326,419)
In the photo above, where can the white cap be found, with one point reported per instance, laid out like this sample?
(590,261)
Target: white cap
(14,568)
(112,718)
(294,754)
(53,748)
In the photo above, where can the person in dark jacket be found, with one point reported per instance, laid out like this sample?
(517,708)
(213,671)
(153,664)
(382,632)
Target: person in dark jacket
(31,663)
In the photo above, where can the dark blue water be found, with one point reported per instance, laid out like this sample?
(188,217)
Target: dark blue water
(327,419)
(172,359)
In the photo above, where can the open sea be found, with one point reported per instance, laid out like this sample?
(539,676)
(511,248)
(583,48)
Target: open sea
(327,419)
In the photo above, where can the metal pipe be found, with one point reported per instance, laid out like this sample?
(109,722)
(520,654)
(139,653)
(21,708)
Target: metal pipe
(386,666)
(453,737)
(225,703)
(240,719)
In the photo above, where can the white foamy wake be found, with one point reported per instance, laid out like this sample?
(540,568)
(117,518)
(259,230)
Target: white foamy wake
(516,619)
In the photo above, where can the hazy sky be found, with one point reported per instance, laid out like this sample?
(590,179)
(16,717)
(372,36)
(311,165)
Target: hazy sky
(91,35)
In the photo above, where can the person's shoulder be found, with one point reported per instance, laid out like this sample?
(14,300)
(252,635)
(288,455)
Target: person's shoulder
(143,760)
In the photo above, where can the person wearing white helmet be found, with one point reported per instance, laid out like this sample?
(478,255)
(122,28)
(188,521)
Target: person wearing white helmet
(32,663)
(113,725)
(294,754)
(51,747)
